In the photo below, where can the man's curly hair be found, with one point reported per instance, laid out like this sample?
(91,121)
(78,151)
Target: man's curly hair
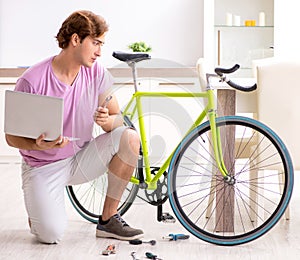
(83,23)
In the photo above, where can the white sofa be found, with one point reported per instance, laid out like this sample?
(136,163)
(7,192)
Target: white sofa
(278,100)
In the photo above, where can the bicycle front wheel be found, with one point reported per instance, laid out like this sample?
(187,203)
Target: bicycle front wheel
(250,202)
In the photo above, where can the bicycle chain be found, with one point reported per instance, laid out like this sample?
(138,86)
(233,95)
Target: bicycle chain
(160,195)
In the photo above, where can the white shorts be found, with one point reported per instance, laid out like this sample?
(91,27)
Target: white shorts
(44,186)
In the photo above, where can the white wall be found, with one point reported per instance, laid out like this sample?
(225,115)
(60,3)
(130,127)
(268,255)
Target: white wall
(286,36)
(174,28)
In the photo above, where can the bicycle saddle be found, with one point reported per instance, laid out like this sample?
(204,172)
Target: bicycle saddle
(129,56)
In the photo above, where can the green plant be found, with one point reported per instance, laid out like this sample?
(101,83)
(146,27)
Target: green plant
(139,47)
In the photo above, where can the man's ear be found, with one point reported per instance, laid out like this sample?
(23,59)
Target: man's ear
(75,40)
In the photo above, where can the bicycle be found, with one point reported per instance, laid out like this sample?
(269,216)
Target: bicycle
(229,180)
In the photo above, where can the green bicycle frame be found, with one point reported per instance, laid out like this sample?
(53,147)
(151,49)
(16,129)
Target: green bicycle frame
(209,110)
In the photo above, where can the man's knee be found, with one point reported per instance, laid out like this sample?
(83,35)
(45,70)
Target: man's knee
(49,233)
(129,147)
(130,140)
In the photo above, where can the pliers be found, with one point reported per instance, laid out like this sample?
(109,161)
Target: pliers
(111,249)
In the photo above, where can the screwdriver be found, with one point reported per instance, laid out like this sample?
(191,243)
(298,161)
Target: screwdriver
(152,256)
(174,237)
(138,242)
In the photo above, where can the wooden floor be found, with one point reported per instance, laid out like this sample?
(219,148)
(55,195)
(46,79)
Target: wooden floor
(282,242)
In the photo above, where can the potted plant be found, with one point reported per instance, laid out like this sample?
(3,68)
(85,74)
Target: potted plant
(140,47)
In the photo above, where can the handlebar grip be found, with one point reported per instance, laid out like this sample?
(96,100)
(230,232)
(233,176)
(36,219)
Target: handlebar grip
(221,71)
(241,88)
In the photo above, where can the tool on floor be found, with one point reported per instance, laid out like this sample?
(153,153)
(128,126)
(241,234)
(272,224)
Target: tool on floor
(133,254)
(138,242)
(152,256)
(174,237)
(111,249)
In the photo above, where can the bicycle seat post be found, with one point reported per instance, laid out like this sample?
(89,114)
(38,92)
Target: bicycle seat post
(132,65)
(131,59)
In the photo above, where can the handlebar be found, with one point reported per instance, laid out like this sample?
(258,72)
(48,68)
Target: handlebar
(221,71)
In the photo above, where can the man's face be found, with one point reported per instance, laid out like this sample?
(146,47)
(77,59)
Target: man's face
(89,50)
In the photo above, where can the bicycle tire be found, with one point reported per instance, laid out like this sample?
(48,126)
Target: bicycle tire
(251,204)
(88,198)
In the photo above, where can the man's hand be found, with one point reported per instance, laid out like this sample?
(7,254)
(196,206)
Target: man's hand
(35,144)
(59,142)
(101,116)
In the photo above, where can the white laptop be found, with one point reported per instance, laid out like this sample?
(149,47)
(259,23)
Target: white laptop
(30,115)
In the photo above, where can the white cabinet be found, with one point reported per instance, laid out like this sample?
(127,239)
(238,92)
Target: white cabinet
(166,119)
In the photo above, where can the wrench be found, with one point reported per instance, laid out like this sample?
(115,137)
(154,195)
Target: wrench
(107,99)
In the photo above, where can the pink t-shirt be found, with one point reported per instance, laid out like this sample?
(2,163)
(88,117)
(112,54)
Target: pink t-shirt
(80,103)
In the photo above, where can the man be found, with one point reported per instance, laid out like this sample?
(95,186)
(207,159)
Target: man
(48,167)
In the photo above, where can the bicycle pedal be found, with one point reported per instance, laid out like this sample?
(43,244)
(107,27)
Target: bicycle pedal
(167,218)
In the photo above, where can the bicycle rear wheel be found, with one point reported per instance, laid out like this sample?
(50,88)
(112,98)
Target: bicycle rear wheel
(239,211)
(88,198)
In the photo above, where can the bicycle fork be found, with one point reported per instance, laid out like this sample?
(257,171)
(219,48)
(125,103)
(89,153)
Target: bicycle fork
(216,138)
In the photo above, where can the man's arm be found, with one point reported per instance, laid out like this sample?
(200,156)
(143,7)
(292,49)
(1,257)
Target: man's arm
(32,144)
